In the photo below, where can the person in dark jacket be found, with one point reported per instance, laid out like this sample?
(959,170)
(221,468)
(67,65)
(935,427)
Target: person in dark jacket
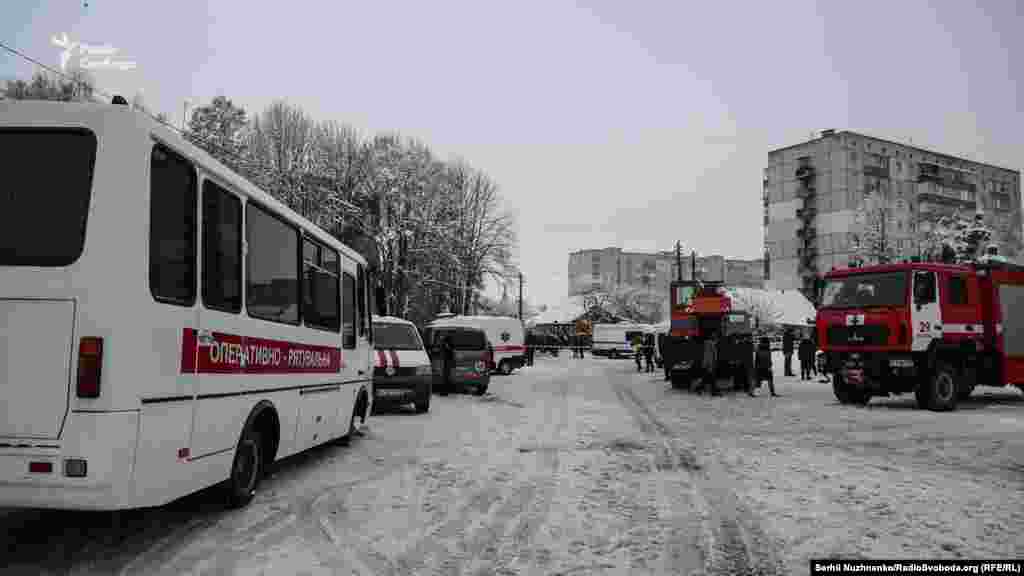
(649,352)
(638,350)
(531,348)
(447,365)
(806,358)
(787,351)
(763,365)
(710,365)
(814,351)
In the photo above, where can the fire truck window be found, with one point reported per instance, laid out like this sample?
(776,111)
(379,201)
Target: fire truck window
(924,287)
(957,291)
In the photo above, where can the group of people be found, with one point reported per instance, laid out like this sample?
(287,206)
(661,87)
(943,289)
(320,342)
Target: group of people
(806,350)
(763,371)
(643,347)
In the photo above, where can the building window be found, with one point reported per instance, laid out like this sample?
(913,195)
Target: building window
(853,156)
(172,228)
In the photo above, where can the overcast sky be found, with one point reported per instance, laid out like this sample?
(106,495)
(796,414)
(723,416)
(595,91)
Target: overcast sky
(611,123)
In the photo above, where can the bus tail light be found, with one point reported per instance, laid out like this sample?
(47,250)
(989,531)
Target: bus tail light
(40,467)
(90,363)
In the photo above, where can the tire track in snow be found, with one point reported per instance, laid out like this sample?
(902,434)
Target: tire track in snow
(740,546)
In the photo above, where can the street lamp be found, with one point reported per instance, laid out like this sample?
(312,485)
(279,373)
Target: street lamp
(185,105)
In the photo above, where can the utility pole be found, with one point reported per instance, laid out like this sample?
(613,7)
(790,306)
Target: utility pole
(679,261)
(520,296)
(693,265)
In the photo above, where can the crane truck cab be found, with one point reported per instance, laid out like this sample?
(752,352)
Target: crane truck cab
(702,310)
(937,330)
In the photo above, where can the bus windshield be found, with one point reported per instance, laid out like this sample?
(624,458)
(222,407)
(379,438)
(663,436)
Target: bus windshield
(866,290)
(45,197)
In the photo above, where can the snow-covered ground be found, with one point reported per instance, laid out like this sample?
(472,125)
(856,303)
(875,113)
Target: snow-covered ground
(588,467)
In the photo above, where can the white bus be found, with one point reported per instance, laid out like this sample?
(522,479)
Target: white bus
(165,326)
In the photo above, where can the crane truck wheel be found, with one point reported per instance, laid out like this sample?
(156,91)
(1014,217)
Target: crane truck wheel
(964,392)
(941,392)
(847,394)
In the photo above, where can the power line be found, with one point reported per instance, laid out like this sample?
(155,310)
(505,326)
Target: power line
(191,136)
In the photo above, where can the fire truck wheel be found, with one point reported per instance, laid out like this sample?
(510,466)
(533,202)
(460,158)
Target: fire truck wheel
(964,392)
(941,392)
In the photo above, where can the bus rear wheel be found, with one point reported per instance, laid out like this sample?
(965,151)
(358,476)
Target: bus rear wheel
(246,469)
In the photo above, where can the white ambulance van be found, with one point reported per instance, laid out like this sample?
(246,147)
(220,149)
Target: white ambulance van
(504,333)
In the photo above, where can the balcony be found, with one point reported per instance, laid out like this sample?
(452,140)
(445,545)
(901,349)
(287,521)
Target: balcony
(806,192)
(877,171)
(807,213)
(805,172)
(807,233)
(928,173)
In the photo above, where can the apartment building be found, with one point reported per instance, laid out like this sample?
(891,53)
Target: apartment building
(611,268)
(813,193)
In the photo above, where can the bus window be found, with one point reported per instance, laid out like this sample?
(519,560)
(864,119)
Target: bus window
(361,301)
(272,278)
(348,311)
(222,249)
(320,286)
(43,211)
(172,228)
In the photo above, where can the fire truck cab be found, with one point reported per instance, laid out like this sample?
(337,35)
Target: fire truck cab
(937,330)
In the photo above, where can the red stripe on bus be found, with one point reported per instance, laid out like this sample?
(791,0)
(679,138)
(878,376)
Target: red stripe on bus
(233,354)
(382,361)
(188,351)
(394,358)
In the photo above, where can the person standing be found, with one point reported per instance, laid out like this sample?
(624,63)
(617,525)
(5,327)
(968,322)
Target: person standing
(447,365)
(649,352)
(787,351)
(763,365)
(710,361)
(814,351)
(637,351)
(531,348)
(806,354)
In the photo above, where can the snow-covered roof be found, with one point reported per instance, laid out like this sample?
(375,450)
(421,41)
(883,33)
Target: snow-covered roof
(789,307)
(795,308)
(565,311)
(392,319)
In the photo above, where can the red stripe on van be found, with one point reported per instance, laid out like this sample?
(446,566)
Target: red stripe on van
(233,354)
(382,360)
(394,358)
(510,348)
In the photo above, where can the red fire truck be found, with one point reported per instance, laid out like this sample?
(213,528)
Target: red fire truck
(937,330)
